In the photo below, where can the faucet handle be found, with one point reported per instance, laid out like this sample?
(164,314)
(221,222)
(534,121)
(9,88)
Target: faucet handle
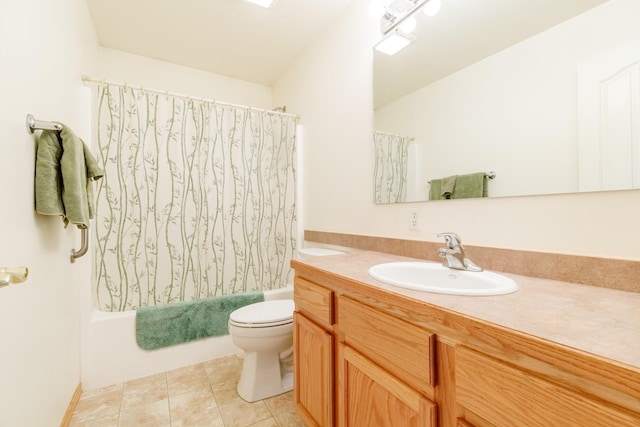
(452,239)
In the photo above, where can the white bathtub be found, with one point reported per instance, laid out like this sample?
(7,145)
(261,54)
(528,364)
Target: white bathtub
(111,355)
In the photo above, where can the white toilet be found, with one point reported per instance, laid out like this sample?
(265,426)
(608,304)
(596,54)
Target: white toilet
(264,331)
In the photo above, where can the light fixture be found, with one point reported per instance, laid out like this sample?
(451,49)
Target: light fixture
(408,25)
(376,9)
(264,3)
(393,42)
(432,7)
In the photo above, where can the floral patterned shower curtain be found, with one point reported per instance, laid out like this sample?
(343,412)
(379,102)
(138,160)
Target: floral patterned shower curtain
(198,199)
(390,168)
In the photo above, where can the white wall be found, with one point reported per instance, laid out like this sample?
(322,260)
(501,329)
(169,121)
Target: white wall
(330,87)
(520,103)
(150,73)
(45,46)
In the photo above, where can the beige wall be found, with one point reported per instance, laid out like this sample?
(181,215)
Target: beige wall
(150,73)
(330,87)
(45,46)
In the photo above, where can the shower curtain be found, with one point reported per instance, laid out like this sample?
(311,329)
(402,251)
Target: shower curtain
(198,199)
(390,168)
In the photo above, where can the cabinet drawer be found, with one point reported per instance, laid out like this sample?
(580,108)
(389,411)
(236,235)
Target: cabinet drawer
(505,395)
(401,348)
(314,301)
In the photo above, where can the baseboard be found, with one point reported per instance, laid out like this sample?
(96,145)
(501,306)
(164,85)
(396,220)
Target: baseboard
(72,406)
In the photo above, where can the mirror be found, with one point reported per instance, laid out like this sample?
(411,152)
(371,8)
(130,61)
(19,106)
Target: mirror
(542,92)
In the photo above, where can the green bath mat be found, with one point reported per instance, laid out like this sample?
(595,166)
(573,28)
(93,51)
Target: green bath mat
(170,324)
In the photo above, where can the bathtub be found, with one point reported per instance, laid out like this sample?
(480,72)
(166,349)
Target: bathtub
(110,354)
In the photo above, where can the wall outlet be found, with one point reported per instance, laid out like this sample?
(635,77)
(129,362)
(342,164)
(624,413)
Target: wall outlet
(414,220)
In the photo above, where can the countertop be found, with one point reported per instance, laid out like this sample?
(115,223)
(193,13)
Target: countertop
(600,321)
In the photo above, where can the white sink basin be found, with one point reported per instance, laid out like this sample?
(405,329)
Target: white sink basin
(432,277)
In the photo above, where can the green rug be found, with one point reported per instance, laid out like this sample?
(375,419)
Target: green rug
(170,324)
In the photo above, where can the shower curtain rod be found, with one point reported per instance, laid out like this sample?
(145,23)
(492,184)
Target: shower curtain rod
(187,97)
(410,138)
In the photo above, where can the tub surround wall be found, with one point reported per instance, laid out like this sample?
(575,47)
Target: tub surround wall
(601,272)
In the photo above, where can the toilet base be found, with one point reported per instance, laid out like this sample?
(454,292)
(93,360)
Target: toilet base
(264,375)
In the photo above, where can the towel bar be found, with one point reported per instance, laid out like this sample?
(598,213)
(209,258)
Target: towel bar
(32,126)
(489,175)
(84,246)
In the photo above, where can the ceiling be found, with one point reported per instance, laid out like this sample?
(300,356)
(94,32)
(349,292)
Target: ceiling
(462,33)
(228,37)
(238,39)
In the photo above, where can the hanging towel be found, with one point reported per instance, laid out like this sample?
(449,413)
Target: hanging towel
(471,185)
(178,322)
(447,187)
(65,169)
(435,192)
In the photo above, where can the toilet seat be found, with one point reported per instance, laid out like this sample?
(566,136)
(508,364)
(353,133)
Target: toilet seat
(263,314)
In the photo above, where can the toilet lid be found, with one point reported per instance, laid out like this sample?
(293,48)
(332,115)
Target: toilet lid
(267,313)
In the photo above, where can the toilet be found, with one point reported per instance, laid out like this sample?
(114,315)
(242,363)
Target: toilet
(264,331)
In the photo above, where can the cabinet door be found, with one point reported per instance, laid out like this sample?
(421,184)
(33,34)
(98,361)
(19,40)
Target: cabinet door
(370,396)
(505,395)
(313,360)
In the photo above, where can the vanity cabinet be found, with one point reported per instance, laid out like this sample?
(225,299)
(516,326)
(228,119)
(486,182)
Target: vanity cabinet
(366,356)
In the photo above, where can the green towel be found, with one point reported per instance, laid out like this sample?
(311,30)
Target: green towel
(471,185)
(65,169)
(447,187)
(170,324)
(435,192)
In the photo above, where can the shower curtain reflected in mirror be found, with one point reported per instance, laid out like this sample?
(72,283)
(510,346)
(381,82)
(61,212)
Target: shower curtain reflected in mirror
(390,168)
(198,199)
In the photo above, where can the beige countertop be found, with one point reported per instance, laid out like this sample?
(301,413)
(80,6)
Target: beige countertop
(595,320)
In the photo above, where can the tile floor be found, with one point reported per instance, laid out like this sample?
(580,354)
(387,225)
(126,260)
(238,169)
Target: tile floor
(198,395)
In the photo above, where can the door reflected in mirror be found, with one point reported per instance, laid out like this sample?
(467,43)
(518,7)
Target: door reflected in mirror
(542,92)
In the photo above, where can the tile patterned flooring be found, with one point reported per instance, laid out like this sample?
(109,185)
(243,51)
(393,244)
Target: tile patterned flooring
(198,395)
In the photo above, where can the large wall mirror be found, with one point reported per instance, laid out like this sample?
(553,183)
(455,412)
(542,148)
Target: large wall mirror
(543,93)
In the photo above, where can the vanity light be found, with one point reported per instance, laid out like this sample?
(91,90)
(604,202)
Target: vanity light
(408,25)
(263,3)
(394,42)
(377,9)
(432,7)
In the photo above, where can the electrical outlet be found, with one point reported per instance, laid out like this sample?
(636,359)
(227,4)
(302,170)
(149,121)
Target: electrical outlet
(414,220)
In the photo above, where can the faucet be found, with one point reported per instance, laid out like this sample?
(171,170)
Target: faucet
(453,253)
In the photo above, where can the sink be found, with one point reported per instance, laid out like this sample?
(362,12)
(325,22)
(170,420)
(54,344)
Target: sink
(433,277)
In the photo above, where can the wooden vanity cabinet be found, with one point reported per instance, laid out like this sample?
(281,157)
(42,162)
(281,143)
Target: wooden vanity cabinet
(364,357)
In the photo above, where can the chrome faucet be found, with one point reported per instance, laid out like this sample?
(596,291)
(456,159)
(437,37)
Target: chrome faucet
(453,253)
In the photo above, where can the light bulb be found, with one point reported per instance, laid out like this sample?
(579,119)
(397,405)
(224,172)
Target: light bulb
(432,7)
(408,25)
(376,9)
